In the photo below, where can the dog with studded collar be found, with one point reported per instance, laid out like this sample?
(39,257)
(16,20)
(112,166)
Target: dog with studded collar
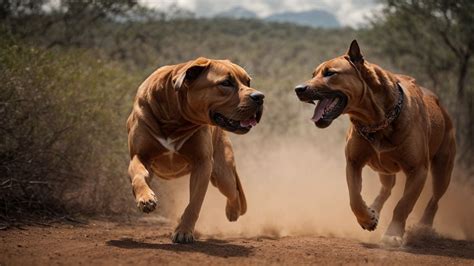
(396,125)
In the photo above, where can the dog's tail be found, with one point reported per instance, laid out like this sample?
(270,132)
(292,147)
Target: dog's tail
(243,201)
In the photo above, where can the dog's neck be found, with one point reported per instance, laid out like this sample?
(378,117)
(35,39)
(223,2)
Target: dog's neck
(187,113)
(164,104)
(379,96)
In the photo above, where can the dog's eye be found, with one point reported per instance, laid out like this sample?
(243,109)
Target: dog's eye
(226,83)
(328,73)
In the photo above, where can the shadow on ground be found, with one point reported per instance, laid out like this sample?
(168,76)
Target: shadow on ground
(425,241)
(212,247)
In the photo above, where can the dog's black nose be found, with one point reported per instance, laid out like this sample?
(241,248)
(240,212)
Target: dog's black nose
(257,97)
(300,88)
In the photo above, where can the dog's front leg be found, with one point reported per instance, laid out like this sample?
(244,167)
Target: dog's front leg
(140,178)
(199,181)
(367,217)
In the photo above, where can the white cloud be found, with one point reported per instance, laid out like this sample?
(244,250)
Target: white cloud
(349,13)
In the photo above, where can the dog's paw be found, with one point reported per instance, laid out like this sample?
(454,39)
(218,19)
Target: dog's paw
(370,221)
(182,237)
(392,241)
(147,202)
(232,211)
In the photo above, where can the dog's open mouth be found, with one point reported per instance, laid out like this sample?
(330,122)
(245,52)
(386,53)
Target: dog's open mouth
(330,105)
(236,126)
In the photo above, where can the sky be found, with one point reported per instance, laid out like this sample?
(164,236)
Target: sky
(349,12)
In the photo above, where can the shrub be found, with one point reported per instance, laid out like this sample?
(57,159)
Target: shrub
(62,122)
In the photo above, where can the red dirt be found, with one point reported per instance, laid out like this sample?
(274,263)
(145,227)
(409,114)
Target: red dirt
(141,243)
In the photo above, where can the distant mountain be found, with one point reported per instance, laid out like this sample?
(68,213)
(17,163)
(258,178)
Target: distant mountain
(314,18)
(237,12)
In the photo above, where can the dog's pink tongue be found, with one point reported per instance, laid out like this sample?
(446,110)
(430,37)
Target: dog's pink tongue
(248,122)
(319,110)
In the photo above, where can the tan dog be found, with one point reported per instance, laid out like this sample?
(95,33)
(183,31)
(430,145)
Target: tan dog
(177,127)
(396,125)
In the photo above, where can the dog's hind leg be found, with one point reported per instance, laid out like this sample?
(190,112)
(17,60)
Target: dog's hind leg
(225,178)
(388,182)
(140,178)
(441,169)
(414,185)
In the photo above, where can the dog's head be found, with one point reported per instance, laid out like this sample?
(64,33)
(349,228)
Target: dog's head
(218,92)
(337,85)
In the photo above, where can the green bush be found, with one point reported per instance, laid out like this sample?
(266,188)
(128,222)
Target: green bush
(62,122)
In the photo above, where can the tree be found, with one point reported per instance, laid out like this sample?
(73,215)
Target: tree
(65,21)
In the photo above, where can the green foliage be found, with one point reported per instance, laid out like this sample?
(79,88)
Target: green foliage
(427,37)
(62,120)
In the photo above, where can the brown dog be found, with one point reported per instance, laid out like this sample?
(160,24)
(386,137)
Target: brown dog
(177,127)
(396,125)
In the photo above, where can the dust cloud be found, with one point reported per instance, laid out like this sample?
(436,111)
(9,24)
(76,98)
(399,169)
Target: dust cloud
(296,186)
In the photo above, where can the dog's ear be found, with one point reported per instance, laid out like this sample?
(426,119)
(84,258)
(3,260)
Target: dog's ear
(190,72)
(354,53)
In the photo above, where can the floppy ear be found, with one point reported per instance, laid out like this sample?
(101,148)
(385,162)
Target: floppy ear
(354,53)
(191,72)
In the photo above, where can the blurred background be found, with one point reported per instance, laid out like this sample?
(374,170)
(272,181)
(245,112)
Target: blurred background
(69,71)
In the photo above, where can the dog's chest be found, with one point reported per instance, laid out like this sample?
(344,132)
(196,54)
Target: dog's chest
(384,163)
(170,165)
(173,145)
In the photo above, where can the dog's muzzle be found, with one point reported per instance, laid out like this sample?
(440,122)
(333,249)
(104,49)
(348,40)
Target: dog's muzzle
(331,103)
(238,126)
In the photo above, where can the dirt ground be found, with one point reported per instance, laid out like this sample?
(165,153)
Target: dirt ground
(143,243)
